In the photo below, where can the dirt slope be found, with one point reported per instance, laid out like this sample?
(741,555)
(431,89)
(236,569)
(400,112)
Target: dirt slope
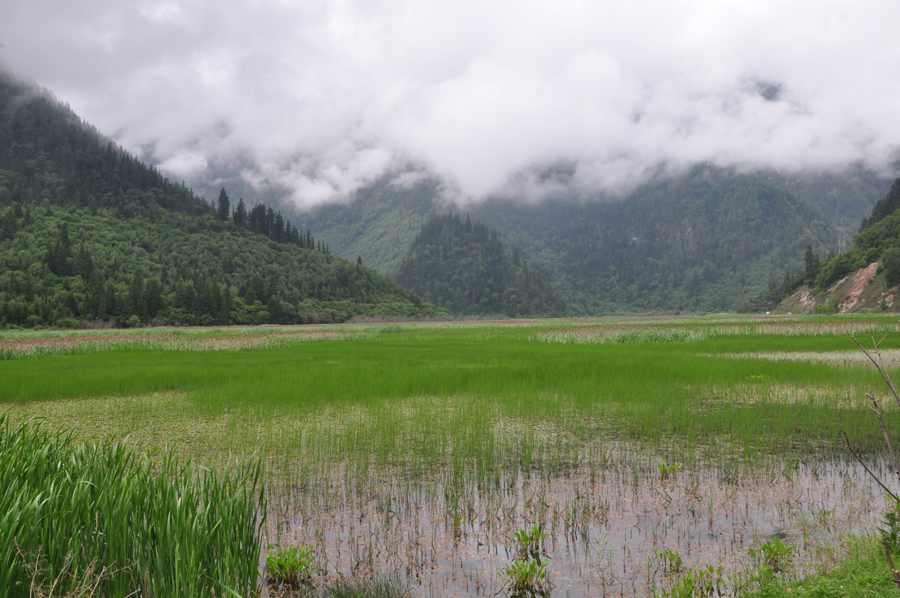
(862,291)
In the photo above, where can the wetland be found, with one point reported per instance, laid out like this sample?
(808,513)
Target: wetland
(652,455)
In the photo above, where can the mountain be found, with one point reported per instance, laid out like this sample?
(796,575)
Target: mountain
(466,269)
(866,277)
(381,221)
(703,241)
(846,196)
(90,234)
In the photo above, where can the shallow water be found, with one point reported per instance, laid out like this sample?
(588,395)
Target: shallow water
(604,522)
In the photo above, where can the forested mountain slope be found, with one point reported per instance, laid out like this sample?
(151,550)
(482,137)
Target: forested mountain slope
(845,196)
(90,234)
(704,241)
(701,242)
(463,267)
(865,277)
(379,224)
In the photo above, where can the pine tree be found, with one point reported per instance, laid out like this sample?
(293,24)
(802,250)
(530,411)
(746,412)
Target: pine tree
(240,213)
(84,265)
(153,297)
(224,205)
(58,256)
(137,299)
(278,228)
(270,223)
(811,261)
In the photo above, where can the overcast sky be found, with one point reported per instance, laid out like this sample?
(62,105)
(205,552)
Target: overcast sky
(326,95)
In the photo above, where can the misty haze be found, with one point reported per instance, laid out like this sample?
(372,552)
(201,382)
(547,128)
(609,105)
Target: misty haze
(392,299)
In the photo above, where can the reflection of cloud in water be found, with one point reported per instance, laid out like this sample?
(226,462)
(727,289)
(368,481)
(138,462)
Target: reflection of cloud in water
(606,518)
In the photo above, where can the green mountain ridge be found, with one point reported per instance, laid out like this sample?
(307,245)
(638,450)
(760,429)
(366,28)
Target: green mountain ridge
(466,269)
(381,222)
(850,281)
(704,241)
(89,234)
(701,242)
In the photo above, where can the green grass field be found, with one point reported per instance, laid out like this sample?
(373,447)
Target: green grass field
(415,451)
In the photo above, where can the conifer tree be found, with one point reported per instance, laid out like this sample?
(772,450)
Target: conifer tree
(240,213)
(224,205)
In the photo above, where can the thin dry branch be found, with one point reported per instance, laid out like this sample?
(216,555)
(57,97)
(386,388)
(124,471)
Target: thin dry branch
(876,408)
(890,560)
(879,365)
(880,414)
(869,471)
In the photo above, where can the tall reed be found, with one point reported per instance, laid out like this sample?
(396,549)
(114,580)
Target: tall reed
(73,516)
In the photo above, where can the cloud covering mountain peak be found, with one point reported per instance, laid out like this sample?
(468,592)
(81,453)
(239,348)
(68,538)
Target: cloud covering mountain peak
(320,97)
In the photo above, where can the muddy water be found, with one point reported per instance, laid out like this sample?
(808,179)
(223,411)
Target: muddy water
(603,524)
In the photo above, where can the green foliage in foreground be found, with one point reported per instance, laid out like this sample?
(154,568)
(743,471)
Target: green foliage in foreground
(82,517)
(425,399)
(467,270)
(291,566)
(356,588)
(864,574)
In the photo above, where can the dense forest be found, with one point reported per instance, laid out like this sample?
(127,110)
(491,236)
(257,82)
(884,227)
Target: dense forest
(878,239)
(89,234)
(381,222)
(464,268)
(699,242)
(704,241)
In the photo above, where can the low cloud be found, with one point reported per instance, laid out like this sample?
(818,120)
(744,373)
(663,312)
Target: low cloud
(525,98)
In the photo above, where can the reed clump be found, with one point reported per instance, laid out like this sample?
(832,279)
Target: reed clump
(103,519)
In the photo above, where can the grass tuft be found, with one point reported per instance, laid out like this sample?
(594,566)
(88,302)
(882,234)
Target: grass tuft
(101,520)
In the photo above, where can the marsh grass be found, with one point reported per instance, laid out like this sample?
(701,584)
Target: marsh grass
(417,451)
(638,390)
(82,519)
(676,332)
(86,343)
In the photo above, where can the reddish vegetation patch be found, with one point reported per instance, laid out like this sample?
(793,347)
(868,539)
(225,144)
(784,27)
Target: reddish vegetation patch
(51,343)
(198,342)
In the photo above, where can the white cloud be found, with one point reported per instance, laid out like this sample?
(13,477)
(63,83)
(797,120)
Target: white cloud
(325,95)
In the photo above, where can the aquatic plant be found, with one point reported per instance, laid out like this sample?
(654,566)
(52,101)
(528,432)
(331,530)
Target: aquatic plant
(77,517)
(291,566)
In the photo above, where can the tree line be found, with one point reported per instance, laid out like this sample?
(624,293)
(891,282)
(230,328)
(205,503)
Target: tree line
(66,267)
(266,221)
(464,268)
(89,234)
